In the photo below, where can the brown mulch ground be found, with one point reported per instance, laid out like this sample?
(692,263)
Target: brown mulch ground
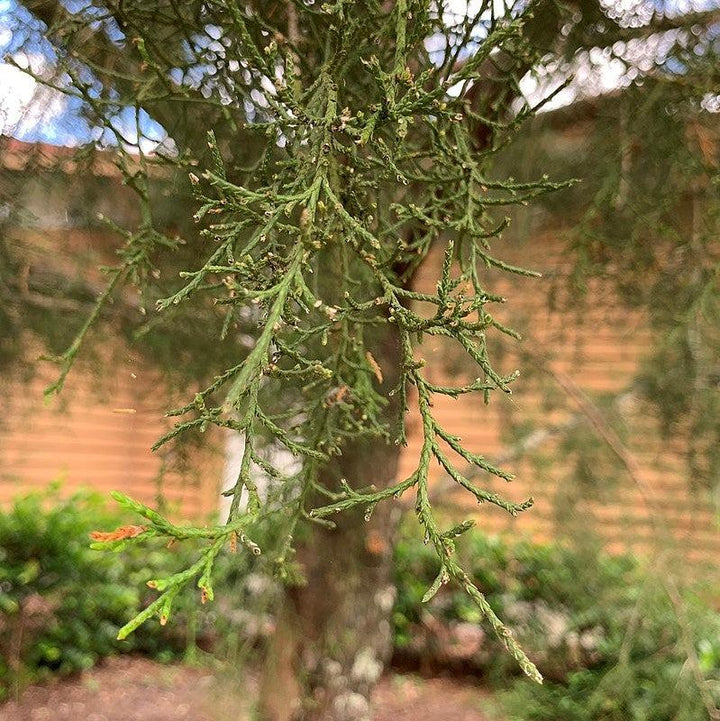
(410,698)
(136,689)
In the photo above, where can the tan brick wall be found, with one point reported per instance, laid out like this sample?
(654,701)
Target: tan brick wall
(595,350)
(98,434)
(81,438)
(86,437)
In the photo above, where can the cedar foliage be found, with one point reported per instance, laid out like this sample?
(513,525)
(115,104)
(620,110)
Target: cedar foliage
(328,147)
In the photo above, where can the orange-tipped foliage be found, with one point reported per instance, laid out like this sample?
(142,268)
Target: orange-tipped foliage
(118,534)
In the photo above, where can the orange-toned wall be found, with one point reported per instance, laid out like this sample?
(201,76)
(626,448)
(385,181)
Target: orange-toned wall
(98,434)
(583,354)
(594,348)
(87,437)
(99,431)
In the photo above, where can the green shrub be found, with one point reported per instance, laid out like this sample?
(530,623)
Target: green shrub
(644,672)
(517,578)
(602,630)
(61,603)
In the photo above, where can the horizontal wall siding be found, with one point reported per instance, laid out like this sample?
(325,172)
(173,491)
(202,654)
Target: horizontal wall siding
(98,434)
(99,431)
(576,355)
(574,352)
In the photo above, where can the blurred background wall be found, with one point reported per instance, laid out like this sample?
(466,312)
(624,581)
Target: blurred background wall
(577,431)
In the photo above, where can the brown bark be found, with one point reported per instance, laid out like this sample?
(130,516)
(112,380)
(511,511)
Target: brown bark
(333,635)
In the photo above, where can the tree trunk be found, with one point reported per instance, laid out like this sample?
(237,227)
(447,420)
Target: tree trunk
(333,636)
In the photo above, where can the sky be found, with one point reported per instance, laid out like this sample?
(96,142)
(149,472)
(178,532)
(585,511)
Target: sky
(47,119)
(33,113)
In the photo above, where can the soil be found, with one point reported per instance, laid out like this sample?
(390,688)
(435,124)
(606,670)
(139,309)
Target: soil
(136,689)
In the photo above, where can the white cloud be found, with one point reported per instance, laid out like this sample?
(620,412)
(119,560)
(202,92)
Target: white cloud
(25,105)
(34,112)
(16,92)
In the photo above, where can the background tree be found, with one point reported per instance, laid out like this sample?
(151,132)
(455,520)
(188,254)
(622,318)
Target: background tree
(347,140)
